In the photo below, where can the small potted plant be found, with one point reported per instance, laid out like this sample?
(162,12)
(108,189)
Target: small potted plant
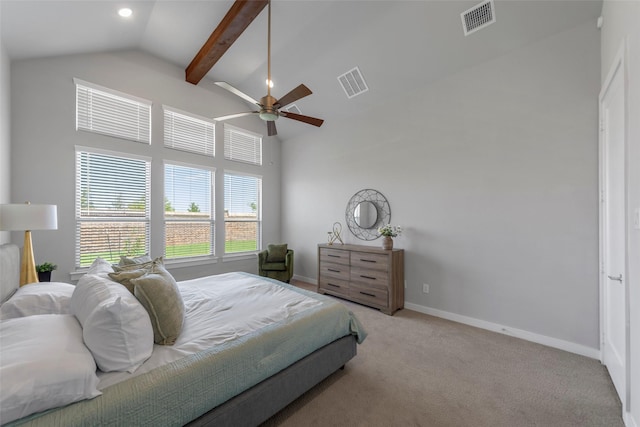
(44,271)
(388,232)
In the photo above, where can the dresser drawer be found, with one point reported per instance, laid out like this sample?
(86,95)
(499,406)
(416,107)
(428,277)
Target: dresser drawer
(374,278)
(334,256)
(371,296)
(334,286)
(337,271)
(370,261)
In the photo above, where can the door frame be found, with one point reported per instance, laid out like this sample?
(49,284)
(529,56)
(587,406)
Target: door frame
(619,64)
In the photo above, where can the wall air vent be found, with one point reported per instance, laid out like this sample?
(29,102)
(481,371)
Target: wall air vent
(478,17)
(353,83)
(293,108)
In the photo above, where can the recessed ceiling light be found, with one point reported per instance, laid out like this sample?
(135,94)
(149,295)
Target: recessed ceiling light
(125,12)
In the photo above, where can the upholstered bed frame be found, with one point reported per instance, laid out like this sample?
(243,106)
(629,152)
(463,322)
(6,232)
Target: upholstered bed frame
(255,405)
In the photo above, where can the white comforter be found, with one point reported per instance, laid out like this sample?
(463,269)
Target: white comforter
(218,309)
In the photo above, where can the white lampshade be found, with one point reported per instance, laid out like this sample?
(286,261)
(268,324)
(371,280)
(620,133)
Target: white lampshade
(25,216)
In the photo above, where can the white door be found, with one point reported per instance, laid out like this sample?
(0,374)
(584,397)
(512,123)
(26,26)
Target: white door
(613,229)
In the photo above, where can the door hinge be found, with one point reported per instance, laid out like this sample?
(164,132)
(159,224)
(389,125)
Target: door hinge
(601,125)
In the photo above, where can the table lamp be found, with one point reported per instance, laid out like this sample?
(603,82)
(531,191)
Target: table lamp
(28,217)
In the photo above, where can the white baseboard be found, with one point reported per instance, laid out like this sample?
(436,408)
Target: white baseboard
(571,347)
(582,350)
(629,420)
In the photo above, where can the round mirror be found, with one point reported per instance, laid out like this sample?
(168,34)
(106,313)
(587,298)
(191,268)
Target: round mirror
(366,211)
(365,214)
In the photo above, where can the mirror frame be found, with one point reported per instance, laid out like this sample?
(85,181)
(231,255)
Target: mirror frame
(382,206)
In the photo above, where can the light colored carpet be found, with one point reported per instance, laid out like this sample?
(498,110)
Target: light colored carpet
(418,370)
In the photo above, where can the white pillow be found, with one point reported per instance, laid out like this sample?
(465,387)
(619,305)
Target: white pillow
(44,365)
(116,327)
(100,267)
(38,298)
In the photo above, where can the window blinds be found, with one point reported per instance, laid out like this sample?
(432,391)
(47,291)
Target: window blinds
(109,112)
(112,206)
(242,146)
(186,132)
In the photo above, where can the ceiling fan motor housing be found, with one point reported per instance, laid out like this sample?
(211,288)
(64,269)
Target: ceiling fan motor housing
(268,112)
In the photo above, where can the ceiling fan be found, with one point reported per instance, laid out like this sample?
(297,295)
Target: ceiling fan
(270,107)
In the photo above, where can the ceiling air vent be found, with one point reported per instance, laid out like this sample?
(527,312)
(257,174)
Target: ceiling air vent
(478,17)
(293,108)
(353,83)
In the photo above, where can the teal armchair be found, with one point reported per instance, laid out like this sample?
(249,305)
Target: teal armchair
(276,262)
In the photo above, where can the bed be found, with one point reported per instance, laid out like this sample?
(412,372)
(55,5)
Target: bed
(247,375)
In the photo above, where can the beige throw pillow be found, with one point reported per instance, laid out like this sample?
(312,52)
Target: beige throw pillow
(135,260)
(124,277)
(158,293)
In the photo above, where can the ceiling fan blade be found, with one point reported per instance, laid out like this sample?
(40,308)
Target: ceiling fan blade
(301,118)
(297,93)
(233,116)
(236,92)
(271,128)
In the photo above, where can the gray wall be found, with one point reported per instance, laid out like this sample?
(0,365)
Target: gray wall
(621,22)
(492,172)
(5,137)
(44,140)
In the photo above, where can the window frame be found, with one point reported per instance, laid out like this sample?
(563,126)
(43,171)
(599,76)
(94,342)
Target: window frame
(211,220)
(258,220)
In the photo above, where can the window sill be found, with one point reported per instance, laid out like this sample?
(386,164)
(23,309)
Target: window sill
(240,257)
(169,264)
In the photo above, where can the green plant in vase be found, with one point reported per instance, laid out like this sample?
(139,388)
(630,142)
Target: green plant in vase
(44,271)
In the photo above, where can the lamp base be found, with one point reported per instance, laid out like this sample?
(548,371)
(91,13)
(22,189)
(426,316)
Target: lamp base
(28,272)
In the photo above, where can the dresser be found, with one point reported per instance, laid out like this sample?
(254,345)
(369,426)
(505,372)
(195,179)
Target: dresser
(365,274)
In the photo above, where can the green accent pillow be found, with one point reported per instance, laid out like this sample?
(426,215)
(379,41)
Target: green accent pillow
(276,253)
(158,293)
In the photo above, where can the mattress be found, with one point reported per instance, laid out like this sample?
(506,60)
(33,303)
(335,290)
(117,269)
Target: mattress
(239,330)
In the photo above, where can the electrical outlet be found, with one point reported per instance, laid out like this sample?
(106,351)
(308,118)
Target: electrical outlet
(425,288)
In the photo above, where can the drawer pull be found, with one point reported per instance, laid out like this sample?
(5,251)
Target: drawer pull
(367,294)
(368,260)
(335,271)
(335,286)
(367,277)
(333,256)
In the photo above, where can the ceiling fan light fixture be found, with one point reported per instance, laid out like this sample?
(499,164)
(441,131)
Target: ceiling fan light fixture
(269,83)
(269,115)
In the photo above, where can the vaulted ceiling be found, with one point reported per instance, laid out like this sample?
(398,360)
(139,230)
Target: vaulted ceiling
(397,45)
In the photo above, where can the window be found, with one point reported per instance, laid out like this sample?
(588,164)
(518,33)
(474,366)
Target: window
(242,197)
(186,132)
(112,206)
(188,218)
(242,146)
(109,112)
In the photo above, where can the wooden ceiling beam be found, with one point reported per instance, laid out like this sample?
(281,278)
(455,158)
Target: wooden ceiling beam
(237,19)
